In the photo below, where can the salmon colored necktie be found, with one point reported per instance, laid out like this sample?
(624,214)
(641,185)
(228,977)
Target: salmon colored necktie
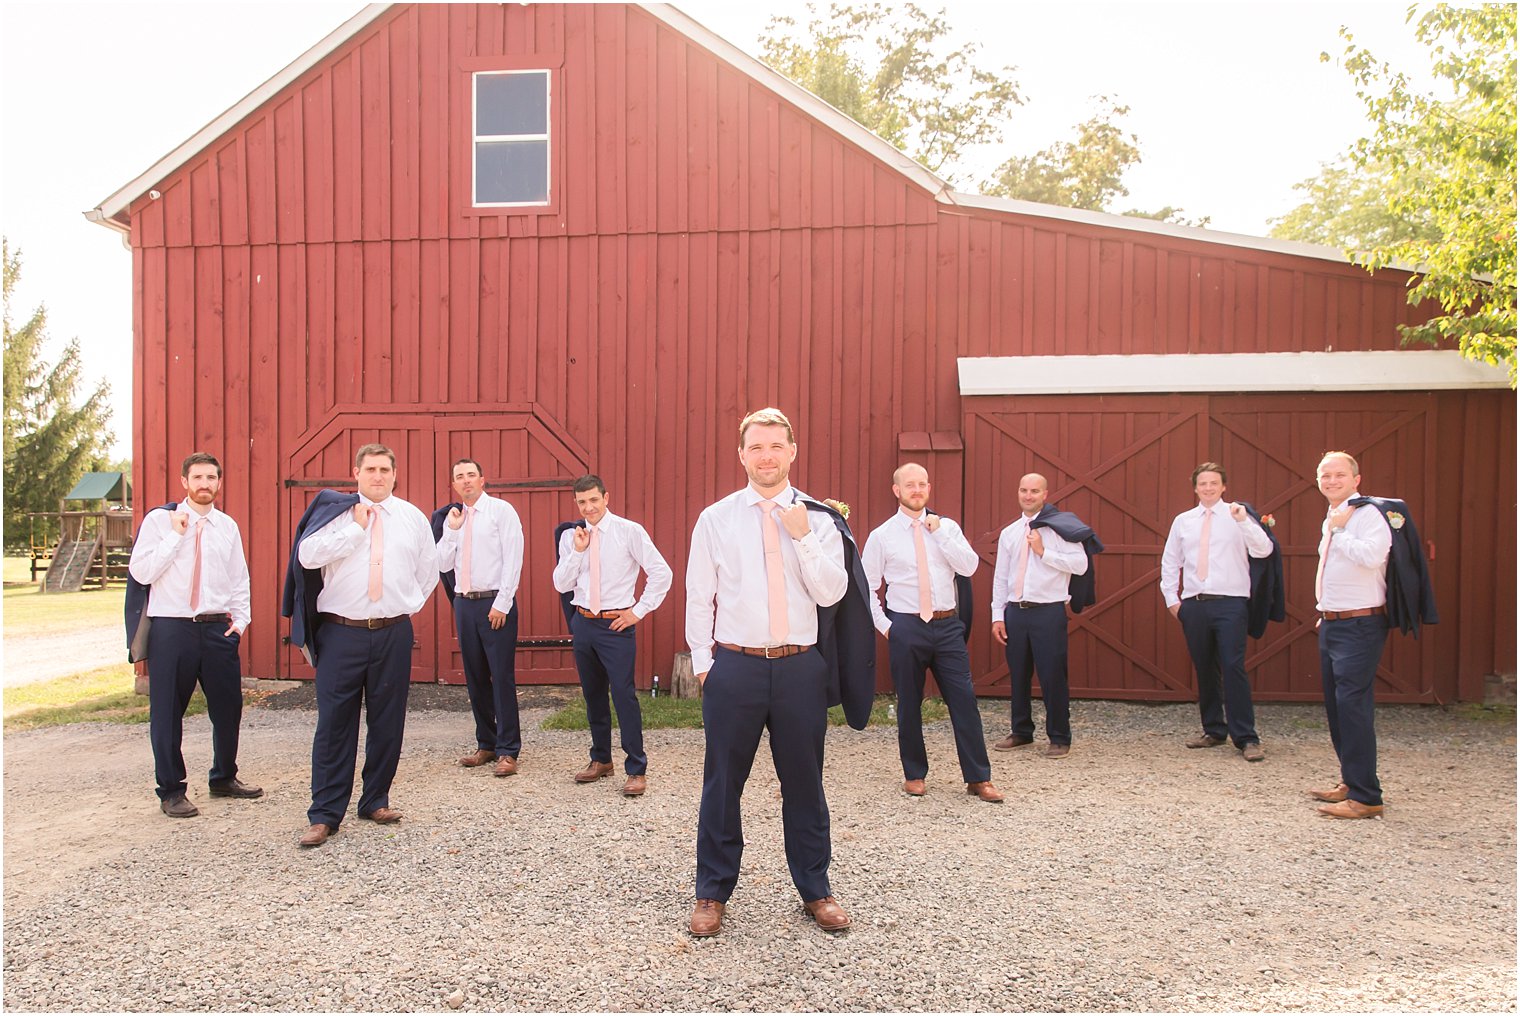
(1203,545)
(596,571)
(466,545)
(925,593)
(376,552)
(775,578)
(195,571)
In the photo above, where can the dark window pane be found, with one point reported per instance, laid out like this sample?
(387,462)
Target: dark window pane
(512,103)
(511,172)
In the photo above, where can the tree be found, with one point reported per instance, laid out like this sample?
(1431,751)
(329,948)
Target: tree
(1444,165)
(50,441)
(1083,173)
(888,67)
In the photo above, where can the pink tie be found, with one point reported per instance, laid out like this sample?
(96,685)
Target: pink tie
(925,593)
(195,571)
(596,571)
(1203,545)
(376,553)
(466,543)
(775,578)
(1018,579)
(1319,573)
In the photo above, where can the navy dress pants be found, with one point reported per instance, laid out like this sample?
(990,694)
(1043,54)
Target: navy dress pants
(743,696)
(1037,645)
(1215,630)
(358,667)
(604,661)
(913,645)
(1349,651)
(490,674)
(182,653)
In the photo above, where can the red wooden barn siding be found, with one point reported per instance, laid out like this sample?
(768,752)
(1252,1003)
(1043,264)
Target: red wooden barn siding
(317,271)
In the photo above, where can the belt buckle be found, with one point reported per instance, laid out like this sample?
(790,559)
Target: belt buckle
(372,623)
(768,655)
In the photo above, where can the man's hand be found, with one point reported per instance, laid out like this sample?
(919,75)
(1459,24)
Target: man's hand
(581,536)
(795,520)
(625,619)
(456,518)
(1339,519)
(232,629)
(1175,609)
(1238,512)
(701,679)
(180,521)
(362,512)
(931,522)
(1036,543)
(1000,632)
(497,618)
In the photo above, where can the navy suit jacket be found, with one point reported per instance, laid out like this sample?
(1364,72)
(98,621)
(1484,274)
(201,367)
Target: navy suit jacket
(437,521)
(1411,598)
(1083,588)
(303,585)
(847,633)
(566,600)
(1269,600)
(137,597)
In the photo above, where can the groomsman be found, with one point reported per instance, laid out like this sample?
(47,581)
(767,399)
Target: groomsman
(919,555)
(482,544)
(366,563)
(1209,551)
(599,564)
(189,583)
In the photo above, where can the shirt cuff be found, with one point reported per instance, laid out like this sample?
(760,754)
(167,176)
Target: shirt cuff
(701,660)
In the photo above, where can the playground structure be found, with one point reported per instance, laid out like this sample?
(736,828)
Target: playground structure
(93,545)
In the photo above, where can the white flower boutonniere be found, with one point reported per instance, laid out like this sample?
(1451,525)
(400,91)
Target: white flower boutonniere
(1395,520)
(838,506)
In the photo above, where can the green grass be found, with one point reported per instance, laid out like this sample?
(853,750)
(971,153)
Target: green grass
(18,568)
(667,713)
(1479,713)
(101,695)
(30,612)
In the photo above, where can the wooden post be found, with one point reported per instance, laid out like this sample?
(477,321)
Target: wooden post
(683,683)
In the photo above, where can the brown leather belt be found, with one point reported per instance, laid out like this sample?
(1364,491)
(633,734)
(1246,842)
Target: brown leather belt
(222,618)
(769,652)
(940,615)
(1214,596)
(371,623)
(480,594)
(1031,604)
(1341,615)
(604,615)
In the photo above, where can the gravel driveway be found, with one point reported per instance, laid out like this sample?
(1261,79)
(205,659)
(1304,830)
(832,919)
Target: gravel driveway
(1132,875)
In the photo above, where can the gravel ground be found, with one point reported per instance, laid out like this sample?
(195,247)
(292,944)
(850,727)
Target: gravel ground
(1132,875)
(44,657)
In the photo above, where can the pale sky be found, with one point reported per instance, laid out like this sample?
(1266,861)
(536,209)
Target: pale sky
(1230,101)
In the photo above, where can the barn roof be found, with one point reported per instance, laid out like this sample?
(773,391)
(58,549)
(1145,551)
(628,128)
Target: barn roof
(113,210)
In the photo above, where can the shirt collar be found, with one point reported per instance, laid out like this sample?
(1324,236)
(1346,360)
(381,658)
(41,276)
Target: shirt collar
(211,517)
(909,518)
(751,497)
(382,505)
(602,526)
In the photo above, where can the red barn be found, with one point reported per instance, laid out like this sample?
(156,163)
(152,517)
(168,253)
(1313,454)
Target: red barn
(571,238)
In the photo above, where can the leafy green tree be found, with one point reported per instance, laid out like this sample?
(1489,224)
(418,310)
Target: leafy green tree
(1433,185)
(1085,172)
(890,68)
(51,438)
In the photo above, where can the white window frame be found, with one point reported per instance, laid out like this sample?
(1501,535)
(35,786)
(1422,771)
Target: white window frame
(478,139)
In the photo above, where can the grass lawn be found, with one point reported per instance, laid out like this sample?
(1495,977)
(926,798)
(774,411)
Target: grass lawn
(665,713)
(28,611)
(104,694)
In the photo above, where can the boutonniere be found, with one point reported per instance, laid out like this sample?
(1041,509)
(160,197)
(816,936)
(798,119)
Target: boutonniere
(1268,520)
(838,506)
(1395,520)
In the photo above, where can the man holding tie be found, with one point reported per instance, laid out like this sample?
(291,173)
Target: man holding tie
(599,564)
(378,566)
(1209,549)
(760,567)
(483,545)
(919,555)
(188,562)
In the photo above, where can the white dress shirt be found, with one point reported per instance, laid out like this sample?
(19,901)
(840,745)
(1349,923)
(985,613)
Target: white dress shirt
(625,548)
(1231,544)
(165,560)
(890,554)
(1047,578)
(496,551)
(341,549)
(1356,562)
(726,590)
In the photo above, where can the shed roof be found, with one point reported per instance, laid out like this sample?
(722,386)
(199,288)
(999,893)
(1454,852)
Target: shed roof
(95,486)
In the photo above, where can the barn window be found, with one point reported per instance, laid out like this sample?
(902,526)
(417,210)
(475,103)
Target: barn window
(511,138)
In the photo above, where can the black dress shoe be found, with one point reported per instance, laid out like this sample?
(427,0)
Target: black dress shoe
(178,807)
(235,788)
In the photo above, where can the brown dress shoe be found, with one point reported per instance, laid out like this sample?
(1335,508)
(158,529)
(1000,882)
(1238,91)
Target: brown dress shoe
(1253,752)
(635,785)
(479,757)
(1057,750)
(828,913)
(235,788)
(383,816)
(593,772)
(1351,809)
(985,791)
(706,918)
(1335,796)
(178,807)
(1204,741)
(317,835)
(1011,742)
(506,765)
(914,788)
